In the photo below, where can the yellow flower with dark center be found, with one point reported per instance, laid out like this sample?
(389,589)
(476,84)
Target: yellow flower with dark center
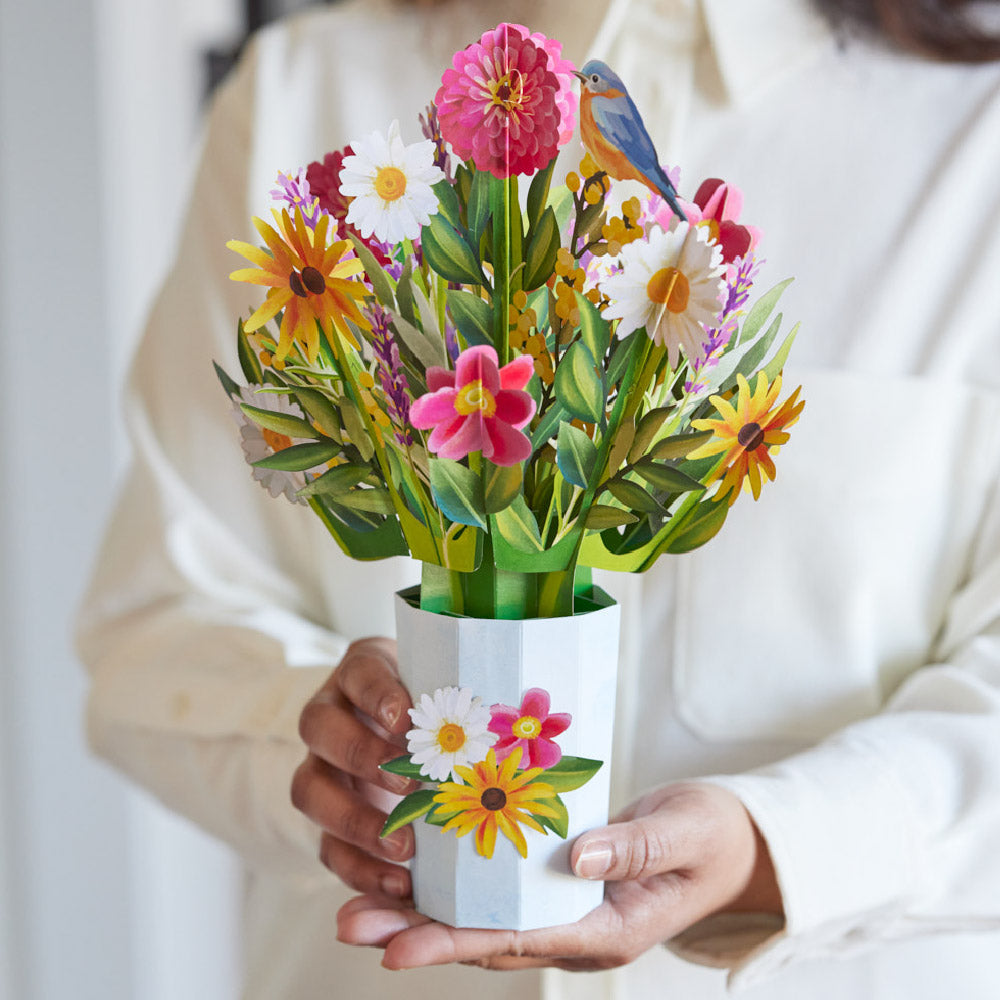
(495,798)
(747,433)
(312,282)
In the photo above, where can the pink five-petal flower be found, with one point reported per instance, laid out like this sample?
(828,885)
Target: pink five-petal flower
(530,727)
(478,407)
(507,101)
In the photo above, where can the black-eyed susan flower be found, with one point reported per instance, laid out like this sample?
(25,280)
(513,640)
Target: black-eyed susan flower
(312,282)
(495,798)
(747,433)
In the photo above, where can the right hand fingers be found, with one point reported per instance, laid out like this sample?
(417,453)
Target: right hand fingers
(368,678)
(346,816)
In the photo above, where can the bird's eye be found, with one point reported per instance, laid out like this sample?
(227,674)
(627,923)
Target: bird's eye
(594,78)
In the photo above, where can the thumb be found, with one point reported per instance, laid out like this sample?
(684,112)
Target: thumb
(647,846)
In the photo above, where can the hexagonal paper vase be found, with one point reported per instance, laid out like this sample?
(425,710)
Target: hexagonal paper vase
(574,660)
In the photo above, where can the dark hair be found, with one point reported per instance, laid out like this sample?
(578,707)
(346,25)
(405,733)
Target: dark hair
(940,29)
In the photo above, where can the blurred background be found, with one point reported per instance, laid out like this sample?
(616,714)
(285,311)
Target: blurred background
(102,893)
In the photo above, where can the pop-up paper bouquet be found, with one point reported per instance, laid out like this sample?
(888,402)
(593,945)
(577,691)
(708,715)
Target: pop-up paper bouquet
(513,382)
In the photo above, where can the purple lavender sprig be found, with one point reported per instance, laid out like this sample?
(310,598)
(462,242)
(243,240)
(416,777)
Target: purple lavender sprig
(717,338)
(297,193)
(391,374)
(431,128)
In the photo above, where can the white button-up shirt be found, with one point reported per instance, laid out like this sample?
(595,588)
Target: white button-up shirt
(836,650)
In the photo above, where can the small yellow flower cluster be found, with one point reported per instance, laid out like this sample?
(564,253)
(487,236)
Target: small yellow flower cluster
(524,336)
(620,230)
(569,278)
(595,183)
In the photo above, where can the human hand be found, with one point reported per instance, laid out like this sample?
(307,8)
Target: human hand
(677,855)
(354,723)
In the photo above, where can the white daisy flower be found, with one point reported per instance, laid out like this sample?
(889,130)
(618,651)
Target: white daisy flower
(258,442)
(450,729)
(670,284)
(391,186)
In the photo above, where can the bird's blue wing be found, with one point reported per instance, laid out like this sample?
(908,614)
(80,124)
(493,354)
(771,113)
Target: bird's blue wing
(620,123)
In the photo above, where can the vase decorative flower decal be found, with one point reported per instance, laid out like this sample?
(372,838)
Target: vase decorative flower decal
(506,769)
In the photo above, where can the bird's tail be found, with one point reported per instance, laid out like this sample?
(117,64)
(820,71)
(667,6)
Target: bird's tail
(663,187)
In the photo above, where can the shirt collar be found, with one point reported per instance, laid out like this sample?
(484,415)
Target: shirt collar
(756,42)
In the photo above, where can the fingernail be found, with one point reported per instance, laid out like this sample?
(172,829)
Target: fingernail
(393,884)
(594,860)
(395,782)
(397,844)
(388,711)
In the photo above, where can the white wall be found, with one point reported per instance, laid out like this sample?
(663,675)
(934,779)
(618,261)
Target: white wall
(102,895)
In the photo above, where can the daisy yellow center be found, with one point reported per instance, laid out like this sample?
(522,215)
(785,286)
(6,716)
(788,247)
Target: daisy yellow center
(527,727)
(451,737)
(493,799)
(390,183)
(276,441)
(474,396)
(671,288)
(750,436)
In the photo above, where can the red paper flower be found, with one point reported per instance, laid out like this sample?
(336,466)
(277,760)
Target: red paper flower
(530,728)
(478,407)
(506,102)
(720,204)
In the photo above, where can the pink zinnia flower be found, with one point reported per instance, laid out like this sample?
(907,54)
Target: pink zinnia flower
(720,204)
(507,102)
(530,727)
(478,407)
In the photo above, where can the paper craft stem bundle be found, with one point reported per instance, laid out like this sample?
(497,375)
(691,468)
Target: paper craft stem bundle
(514,377)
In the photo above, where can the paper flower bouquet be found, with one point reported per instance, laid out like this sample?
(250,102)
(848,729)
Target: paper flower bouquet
(513,377)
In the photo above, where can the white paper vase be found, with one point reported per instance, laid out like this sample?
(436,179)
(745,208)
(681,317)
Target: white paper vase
(572,658)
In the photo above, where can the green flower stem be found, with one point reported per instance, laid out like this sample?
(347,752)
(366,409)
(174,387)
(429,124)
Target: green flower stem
(503,196)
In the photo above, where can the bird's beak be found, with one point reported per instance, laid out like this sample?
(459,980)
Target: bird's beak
(580,76)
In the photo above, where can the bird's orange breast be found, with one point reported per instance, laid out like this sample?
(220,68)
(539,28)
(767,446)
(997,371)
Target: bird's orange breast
(606,155)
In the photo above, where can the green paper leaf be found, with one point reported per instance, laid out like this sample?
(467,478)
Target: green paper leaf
(518,527)
(458,492)
(300,457)
(412,807)
(478,211)
(448,254)
(776,363)
(404,293)
(372,499)
(646,431)
(427,350)
(579,385)
(576,455)
(548,425)
(357,432)
(232,389)
(320,410)
(335,481)
(436,818)
(538,194)
(472,316)
(503,483)
(595,331)
(543,245)
(559,825)
(249,361)
(699,525)
(754,357)
(665,478)
(379,279)
(570,773)
(600,517)
(280,423)
(679,445)
(634,497)
(760,311)
(403,766)
(448,203)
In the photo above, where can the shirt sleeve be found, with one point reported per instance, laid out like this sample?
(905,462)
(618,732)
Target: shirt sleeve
(201,642)
(890,828)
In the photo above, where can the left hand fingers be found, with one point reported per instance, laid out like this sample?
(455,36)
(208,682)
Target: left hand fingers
(411,940)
